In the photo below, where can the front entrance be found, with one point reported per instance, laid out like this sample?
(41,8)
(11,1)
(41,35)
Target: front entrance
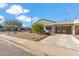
(63,29)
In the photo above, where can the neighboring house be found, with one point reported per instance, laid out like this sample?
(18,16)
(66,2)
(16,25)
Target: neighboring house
(26,29)
(66,27)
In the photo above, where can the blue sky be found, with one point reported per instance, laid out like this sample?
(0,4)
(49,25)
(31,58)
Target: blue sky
(51,11)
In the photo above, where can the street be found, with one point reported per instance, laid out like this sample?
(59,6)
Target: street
(7,49)
(9,46)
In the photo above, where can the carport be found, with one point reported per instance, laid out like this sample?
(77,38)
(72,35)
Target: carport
(63,29)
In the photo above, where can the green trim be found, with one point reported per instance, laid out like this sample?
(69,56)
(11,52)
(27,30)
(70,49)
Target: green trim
(45,20)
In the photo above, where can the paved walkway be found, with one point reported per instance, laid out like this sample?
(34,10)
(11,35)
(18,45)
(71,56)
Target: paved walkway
(37,47)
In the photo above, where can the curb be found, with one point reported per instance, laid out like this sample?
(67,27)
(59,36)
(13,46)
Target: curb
(22,47)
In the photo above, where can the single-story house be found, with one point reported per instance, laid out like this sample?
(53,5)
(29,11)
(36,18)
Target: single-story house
(65,27)
(47,25)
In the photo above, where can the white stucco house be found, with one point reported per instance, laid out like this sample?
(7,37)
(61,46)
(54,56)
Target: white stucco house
(63,27)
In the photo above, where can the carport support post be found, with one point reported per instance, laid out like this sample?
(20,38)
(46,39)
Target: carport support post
(73,30)
(53,30)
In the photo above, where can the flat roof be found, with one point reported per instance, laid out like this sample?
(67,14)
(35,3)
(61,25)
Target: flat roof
(68,22)
(62,22)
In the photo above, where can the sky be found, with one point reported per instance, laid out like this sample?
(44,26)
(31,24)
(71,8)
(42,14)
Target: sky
(26,12)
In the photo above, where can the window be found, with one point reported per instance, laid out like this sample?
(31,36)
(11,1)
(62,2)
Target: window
(48,27)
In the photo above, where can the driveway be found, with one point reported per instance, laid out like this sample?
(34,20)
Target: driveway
(7,49)
(38,48)
(62,40)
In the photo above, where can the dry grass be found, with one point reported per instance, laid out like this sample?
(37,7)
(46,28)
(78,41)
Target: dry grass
(28,35)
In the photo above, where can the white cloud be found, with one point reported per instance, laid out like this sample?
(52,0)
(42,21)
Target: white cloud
(2,19)
(35,19)
(17,10)
(3,5)
(24,25)
(24,18)
(26,10)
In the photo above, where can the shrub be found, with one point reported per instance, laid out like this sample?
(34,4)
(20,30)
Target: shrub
(37,28)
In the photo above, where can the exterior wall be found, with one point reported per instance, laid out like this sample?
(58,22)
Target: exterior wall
(53,30)
(77,29)
(48,29)
(64,29)
(67,29)
(47,23)
(73,30)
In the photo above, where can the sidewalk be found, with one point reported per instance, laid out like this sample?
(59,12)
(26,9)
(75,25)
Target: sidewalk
(39,48)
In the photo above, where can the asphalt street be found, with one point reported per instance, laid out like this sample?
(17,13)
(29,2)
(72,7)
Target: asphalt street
(7,49)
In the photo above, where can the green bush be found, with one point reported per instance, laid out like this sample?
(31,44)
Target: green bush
(37,28)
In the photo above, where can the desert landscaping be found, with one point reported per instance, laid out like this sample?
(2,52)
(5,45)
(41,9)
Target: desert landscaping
(28,35)
(39,30)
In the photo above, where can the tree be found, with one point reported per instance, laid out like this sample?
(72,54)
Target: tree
(1,28)
(17,24)
(12,24)
(38,28)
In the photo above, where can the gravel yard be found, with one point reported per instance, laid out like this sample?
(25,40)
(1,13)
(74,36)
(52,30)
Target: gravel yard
(28,35)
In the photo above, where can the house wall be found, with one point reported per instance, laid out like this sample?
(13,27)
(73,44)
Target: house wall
(67,29)
(47,23)
(70,26)
(63,29)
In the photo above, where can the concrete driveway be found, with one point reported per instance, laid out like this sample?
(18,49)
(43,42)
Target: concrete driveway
(62,40)
(38,48)
(7,49)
